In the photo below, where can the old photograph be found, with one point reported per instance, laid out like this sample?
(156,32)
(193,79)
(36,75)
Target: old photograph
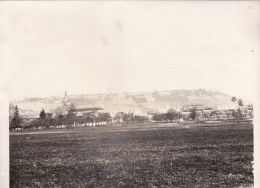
(130,93)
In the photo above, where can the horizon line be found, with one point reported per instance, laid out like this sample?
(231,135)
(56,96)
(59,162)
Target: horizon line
(119,92)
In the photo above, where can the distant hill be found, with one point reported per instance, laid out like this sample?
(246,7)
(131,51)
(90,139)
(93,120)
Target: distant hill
(126,101)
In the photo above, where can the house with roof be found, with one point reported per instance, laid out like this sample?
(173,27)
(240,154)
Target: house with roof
(79,110)
(188,108)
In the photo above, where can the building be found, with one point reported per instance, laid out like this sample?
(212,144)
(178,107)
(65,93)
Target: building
(164,110)
(80,111)
(188,108)
(66,100)
(139,112)
(67,106)
(227,106)
(185,115)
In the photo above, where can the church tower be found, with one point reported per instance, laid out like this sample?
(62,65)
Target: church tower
(66,104)
(66,100)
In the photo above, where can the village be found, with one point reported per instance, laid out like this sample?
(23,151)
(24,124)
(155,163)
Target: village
(68,115)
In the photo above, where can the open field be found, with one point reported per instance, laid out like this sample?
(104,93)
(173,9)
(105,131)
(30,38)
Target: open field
(194,156)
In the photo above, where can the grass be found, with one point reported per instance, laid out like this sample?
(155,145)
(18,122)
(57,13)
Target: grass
(213,156)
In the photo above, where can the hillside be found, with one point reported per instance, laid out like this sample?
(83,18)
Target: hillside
(126,101)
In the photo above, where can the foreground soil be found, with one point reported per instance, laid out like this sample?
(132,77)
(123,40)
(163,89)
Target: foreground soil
(184,156)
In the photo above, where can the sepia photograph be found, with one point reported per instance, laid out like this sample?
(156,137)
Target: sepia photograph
(129,93)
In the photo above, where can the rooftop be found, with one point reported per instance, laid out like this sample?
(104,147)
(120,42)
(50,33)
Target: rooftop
(86,109)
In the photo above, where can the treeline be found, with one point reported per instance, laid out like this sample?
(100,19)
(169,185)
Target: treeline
(170,116)
(129,118)
(195,114)
(48,120)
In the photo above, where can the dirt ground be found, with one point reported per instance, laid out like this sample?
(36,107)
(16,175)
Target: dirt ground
(157,156)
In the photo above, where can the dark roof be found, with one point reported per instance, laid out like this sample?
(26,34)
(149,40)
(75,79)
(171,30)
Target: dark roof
(26,118)
(86,109)
(191,105)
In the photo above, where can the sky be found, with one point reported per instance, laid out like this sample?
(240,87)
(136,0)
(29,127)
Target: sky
(127,46)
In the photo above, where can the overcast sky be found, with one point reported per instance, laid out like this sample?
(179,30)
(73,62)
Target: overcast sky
(93,47)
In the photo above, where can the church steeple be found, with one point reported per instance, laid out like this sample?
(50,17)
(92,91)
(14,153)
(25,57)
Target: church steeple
(66,105)
(66,100)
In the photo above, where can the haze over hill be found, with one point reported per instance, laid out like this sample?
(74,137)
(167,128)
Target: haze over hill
(145,101)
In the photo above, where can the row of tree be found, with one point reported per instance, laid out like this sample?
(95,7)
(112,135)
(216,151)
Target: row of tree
(129,118)
(239,101)
(50,119)
(194,114)
(171,115)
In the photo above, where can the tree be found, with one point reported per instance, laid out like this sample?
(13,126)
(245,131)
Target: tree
(69,118)
(118,117)
(213,112)
(92,116)
(44,120)
(236,113)
(49,119)
(11,112)
(193,113)
(205,115)
(164,116)
(49,115)
(17,120)
(140,119)
(171,114)
(127,118)
(61,111)
(103,117)
(157,117)
(239,113)
(233,99)
(42,114)
(87,118)
(106,117)
(240,102)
